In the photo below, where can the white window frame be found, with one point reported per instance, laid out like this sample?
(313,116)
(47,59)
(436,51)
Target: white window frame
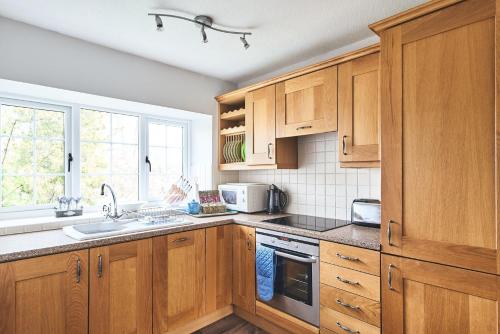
(72,145)
(68,184)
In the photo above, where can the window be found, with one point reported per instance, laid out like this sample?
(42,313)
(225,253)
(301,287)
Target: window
(32,153)
(109,150)
(166,153)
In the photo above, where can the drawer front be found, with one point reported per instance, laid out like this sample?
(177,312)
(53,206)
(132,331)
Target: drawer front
(337,322)
(358,307)
(365,260)
(350,280)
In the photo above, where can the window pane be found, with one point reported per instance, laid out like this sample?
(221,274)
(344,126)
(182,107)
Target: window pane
(50,124)
(17,156)
(126,187)
(95,158)
(158,158)
(157,134)
(174,161)
(48,188)
(95,125)
(17,191)
(16,121)
(125,129)
(174,136)
(91,188)
(50,157)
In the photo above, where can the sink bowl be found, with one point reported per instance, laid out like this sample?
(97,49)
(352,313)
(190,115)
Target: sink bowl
(108,228)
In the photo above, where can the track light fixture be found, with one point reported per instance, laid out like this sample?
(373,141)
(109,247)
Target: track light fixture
(203,22)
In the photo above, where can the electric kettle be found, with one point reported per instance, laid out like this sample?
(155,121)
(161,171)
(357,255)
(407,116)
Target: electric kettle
(276,200)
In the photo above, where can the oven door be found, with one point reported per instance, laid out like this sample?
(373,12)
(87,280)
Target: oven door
(296,289)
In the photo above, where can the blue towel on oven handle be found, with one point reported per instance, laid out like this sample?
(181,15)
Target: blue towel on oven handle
(265,264)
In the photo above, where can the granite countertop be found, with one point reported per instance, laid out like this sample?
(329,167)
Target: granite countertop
(26,245)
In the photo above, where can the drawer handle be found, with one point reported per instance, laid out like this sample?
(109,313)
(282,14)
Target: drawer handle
(181,239)
(389,276)
(345,328)
(346,281)
(304,127)
(341,303)
(99,266)
(348,258)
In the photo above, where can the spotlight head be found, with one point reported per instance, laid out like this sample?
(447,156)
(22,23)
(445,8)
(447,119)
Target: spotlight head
(244,41)
(204,34)
(159,23)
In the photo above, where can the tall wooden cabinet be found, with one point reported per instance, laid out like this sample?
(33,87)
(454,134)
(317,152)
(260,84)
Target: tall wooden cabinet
(307,104)
(45,295)
(358,114)
(178,279)
(262,146)
(440,135)
(244,268)
(120,288)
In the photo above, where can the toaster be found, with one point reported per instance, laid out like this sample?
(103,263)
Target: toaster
(365,212)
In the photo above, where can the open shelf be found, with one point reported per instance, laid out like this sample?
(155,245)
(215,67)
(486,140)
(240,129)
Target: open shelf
(233,131)
(235,115)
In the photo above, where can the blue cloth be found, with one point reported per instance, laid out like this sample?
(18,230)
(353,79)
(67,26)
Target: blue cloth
(265,264)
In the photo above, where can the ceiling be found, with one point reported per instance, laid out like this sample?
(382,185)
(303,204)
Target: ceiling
(284,31)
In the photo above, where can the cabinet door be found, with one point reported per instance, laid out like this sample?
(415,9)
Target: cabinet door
(244,268)
(423,297)
(359,110)
(45,295)
(219,285)
(179,279)
(307,104)
(120,288)
(439,138)
(260,126)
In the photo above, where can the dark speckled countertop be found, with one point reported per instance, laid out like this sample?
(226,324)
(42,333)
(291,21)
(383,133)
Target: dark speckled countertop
(26,245)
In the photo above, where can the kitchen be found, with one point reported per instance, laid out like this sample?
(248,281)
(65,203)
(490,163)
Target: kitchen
(353,191)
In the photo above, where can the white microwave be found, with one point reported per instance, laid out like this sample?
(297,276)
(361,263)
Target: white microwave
(244,197)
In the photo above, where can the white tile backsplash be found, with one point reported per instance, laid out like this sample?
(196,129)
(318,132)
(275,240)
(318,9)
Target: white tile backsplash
(319,186)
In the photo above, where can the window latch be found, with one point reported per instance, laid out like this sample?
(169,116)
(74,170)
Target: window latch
(148,162)
(70,160)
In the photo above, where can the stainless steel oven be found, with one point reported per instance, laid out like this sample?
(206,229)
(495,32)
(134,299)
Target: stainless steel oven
(296,284)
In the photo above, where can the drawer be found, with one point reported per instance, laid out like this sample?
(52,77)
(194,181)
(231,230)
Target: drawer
(358,307)
(365,260)
(331,322)
(350,280)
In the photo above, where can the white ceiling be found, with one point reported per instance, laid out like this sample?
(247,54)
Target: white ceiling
(284,31)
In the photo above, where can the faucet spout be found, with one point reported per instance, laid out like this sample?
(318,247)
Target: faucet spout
(115,207)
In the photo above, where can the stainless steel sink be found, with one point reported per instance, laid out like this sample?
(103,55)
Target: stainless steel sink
(108,228)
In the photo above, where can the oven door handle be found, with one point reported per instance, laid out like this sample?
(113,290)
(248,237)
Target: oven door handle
(296,258)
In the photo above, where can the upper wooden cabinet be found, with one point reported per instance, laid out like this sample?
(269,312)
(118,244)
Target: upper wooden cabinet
(307,104)
(45,295)
(262,147)
(120,288)
(423,297)
(440,137)
(358,128)
(244,268)
(178,279)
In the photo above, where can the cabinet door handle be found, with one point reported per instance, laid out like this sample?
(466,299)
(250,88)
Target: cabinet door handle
(389,277)
(181,239)
(346,257)
(269,150)
(346,281)
(347,329)
(78,270)
(344,145)
(389,233)
(99,266)
(304,127)
(341,303)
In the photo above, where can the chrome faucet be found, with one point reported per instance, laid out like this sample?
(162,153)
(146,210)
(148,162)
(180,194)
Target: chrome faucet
(106,208)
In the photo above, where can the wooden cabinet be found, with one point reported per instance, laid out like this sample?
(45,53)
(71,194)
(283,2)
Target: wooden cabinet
(120,288)
(178,279)
(262,147)
(219,275)
(45,295)
(440,136)
(307,104)
(358,128)
(423,297)
(244,268)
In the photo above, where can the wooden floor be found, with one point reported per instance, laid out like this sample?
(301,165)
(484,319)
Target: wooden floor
(231,325)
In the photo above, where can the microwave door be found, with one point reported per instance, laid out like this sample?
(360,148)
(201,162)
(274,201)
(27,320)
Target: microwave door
(230,197)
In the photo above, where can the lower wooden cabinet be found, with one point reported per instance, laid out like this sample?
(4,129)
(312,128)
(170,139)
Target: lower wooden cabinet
(423,297)
(120,288)
(178,279)
(244,268)
(45,295)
